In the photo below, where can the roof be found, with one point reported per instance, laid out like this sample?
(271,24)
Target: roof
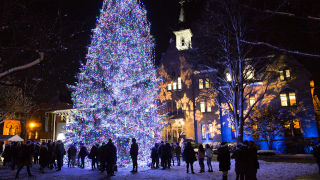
(10,138)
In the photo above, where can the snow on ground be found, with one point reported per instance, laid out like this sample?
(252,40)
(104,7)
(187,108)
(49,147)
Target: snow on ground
(268,170)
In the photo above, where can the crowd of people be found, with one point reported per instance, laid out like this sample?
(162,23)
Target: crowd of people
(104,157)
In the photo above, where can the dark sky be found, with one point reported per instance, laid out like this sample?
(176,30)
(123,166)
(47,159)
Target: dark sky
(78,17)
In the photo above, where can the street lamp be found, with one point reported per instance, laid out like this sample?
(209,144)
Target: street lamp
(32,125)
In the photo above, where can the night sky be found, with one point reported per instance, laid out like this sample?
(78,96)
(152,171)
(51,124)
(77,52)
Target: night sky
(72,21)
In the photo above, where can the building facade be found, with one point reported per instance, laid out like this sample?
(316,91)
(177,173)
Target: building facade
(194,112)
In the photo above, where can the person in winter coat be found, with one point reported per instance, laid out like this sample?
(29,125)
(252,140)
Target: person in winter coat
(36,153)
(252,161)
(155,156)
(93,156)
(102,156)
(72,152)
(162,155)
(178,153)
(224,159)
(168,155)
(240,156)
(44,156)
(52,155)
(6,155)
(173,153)
(134,155)
(316,154)
(209,157)
(190,156)
(111,158)
(82,154)
(59,152)
(14,154)
(201,155)
(25,157)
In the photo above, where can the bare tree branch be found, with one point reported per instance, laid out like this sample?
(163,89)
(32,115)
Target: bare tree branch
(280,49)
(22,67)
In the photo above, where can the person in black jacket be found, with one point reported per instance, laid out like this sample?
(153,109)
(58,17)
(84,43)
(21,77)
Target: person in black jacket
(6,155)
(252,161)
(72,152)
(102,156)
(111,157)
(59,152)
(224,159)
(155,156)
(168,154)
(134,155)
(162,155)
(316,154)
(190,156)
(36,153)
(82,154)
(24,157)
(93,156)
(44,156)
(240,156)
(178,153)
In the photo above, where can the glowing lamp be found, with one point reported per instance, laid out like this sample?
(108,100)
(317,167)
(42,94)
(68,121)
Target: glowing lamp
(32,125)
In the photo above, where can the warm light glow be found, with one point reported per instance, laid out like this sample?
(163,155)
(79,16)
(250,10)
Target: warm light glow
(202,107)
(61,137)
(292,98)
(284,100)
(228,77)
(32,125)
(200,83)
(179,83)
(207,84)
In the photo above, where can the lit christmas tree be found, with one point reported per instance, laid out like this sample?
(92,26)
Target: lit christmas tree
(116,92)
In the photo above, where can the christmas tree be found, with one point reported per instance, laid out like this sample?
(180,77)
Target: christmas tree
(115,96)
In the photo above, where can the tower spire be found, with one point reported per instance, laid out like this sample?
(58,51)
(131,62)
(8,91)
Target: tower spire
(181,17)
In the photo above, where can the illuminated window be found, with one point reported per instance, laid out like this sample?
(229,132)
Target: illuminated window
(288,99)
(203,131)
(179,83)
(169,87)
(284,99)
(200,83)
(208,107)
(255,127)
(207,83)
(285,75)
(202,107)
(252,100)
(228,77)
(292,98)
(211,135)
(174,86)
(296,124)
(250,73)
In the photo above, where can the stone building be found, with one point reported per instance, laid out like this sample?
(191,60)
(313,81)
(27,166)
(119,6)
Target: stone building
(192,109)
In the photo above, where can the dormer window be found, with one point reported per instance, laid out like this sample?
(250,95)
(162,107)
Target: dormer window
(207,83)
(228,77)
(285,75)
(174,86)
(288,99)
(179,83)
(200,83)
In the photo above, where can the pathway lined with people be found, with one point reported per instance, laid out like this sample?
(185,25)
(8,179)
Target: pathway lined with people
(268,170)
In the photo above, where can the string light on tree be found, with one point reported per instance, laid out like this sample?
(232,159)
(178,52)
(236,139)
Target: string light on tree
(117,89)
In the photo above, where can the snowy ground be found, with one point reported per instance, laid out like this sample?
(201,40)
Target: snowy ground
(268,170)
